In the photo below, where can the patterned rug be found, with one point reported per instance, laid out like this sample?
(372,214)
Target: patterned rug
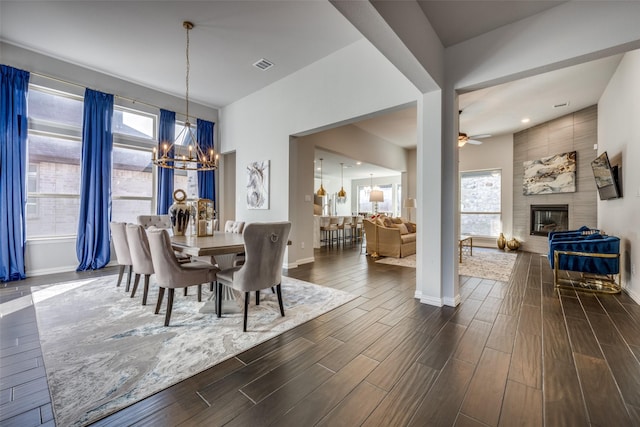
(486,263)
(104,351)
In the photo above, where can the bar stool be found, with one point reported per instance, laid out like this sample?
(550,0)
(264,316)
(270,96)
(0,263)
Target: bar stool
(335,222)
(326,229)
(346,225)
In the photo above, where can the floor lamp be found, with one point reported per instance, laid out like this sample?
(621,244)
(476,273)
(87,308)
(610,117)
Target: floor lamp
(374,197)
(410,204)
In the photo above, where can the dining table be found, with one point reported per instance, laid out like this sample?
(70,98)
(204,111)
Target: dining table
(219,248)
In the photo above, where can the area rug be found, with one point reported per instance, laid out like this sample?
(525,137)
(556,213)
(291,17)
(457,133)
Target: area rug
(104,351)
(485,263)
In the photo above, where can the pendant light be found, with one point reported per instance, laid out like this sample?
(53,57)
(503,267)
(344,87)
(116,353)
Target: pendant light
(321,191)
(342,195)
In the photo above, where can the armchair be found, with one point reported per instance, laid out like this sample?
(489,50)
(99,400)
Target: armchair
(595,256)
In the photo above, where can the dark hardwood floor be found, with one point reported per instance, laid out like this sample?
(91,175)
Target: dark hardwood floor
(511,354)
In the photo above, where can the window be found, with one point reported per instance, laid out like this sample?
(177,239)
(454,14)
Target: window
(54,147)
(132,175)
(53,177)
(480,203)
(387,205)
(133,123)
(131,183)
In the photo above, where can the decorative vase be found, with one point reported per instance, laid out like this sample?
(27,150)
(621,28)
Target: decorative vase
(179,212)
(513,244)
(502,242)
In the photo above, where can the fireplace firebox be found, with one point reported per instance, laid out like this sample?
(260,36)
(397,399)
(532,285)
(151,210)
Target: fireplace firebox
(546,218)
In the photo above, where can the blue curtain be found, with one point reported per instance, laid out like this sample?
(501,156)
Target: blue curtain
(206,180)
(14,85)
(92,246)
(166,135)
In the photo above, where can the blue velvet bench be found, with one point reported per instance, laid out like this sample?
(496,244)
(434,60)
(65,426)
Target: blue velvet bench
(595,256)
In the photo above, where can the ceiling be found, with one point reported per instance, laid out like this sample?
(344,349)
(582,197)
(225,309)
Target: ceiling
(144,42)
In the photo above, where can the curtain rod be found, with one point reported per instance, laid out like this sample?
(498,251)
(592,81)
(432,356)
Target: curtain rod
(115,95)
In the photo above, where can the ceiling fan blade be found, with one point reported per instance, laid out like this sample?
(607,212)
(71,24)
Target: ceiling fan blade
(474,142)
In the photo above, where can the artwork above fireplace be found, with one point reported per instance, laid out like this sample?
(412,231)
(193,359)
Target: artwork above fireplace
(546,218)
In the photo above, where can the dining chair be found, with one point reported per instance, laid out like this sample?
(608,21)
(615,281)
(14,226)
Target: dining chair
(171,274)
(264,244)
(161,221)
(121,246)
(235,227)
(158,221)
(141,258)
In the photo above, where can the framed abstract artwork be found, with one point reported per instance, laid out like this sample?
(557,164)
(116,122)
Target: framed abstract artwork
(258,185)
(548,175)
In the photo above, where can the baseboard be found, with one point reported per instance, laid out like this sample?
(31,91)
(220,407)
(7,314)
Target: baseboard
(63,269)
(634,295)
(45,271)
(452,302)
(428,300)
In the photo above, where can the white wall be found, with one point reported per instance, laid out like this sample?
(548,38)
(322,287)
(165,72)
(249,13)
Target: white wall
(352,82)
(619,136)
(494,153)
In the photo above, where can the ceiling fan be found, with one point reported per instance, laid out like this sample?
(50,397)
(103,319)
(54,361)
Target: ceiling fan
(463,139)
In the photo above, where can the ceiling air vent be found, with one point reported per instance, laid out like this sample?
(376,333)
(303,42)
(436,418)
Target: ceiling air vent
(263,64)
(561,105)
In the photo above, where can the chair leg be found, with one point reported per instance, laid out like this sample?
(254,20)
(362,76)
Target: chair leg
(129,278)
(160,296)
(167,317)
(218,299)
(257,297)
(146,289)
(185,292)
(279,291)
(199,293)
(136,281)
(211,286)
(273,290)
(246,309)
(120,274)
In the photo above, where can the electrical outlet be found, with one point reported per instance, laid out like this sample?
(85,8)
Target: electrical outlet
(633,270)
(301,245)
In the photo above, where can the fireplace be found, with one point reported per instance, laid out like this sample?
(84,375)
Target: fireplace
(546,218)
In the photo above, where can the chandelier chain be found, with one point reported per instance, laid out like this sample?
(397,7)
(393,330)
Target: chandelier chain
(188,69)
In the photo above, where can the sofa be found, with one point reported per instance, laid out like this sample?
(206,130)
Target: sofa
(594,255)
(390,237)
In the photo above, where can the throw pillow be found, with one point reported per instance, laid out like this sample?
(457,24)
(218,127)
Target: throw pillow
(387,222)
(402,228)
(410,227)
(397,220)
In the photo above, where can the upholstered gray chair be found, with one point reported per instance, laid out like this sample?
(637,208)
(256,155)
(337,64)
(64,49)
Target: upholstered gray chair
(264,245)
(161,221)
(121,246)
(171,274)
(141,258)
(235,227)
(158,221)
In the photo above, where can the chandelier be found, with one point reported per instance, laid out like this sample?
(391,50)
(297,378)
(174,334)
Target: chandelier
(321,191)
(196,159)
(342,195)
